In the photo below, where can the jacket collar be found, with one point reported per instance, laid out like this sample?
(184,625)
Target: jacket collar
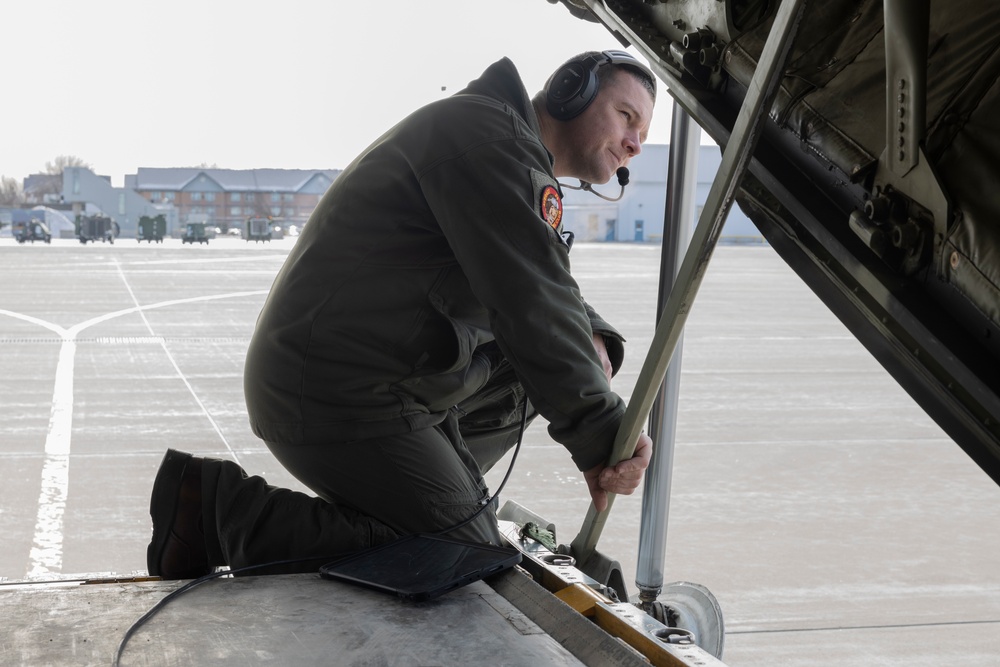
(501,81)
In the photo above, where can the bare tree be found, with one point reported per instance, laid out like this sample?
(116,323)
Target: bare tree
(63,162)
(11,193)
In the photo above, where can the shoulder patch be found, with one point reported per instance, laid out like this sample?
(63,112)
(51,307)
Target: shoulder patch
(551,207)
(548,199)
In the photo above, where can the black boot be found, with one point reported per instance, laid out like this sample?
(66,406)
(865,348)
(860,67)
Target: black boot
(177,550)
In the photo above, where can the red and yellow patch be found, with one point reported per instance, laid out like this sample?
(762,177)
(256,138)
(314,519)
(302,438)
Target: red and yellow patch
(552,208)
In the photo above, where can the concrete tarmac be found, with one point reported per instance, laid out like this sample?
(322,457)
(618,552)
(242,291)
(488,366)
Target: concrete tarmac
(834,521)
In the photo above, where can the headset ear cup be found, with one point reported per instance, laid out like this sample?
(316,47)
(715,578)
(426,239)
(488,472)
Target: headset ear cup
(572,89)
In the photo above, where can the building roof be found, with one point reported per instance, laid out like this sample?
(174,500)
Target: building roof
(247,180)
(34,182)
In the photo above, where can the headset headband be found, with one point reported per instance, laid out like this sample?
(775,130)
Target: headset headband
(574,85)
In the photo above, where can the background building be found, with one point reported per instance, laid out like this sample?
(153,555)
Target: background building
(90,194)
(638,216)
(226,198)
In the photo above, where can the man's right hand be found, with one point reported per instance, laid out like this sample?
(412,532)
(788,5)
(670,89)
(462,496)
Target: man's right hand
(623,478)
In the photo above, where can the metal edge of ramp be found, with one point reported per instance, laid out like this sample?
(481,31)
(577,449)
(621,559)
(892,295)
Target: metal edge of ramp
(621,635)
(584,615)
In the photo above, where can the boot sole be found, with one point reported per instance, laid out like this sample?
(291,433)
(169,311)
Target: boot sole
(163,503)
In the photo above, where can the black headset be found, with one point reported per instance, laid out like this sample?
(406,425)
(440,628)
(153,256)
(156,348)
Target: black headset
(574,85)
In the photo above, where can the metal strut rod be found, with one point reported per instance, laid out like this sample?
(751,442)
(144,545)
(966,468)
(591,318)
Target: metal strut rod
(735,160)
(681,183)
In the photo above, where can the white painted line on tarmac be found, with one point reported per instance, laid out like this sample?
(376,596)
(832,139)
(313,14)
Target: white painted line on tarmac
(206,260)
(47,546)
(34,320)
(177,368)
(46,550)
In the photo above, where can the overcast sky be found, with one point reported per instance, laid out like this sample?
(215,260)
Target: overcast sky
(305,84)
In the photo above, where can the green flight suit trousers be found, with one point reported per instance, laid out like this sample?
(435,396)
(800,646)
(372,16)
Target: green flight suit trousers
(369,491)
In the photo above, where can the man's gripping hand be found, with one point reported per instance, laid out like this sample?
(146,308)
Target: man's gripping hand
(623,478)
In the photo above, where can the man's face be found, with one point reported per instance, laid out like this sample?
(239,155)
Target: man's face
(608,133)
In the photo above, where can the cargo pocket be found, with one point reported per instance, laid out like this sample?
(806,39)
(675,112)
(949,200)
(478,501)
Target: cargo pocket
(495,407)
(451,509)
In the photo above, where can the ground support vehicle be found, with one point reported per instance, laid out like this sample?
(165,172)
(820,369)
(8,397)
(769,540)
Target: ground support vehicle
(194,232)
(257,229)
(93,228)
(34,230)
(151,228)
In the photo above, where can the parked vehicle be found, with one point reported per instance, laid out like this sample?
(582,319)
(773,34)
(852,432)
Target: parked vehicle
(33,230)
(151,228)
(96,228)
(194,232)
(257,229)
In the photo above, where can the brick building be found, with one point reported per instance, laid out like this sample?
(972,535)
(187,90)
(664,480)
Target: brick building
(225,198)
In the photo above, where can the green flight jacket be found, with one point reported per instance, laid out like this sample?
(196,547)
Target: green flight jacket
(428,247)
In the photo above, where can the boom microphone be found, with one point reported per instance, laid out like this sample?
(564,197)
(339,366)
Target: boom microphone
(621,173)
